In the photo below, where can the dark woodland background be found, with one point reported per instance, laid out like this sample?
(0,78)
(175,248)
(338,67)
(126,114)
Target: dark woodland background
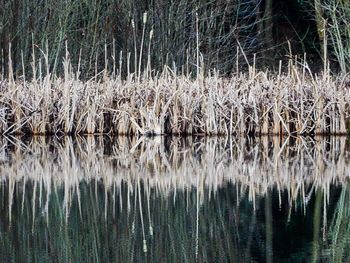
(111,31)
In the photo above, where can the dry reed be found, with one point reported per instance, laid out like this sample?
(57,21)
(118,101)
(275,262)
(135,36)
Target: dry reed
(255,103)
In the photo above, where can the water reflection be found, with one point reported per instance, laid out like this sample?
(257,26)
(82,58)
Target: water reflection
(162,199)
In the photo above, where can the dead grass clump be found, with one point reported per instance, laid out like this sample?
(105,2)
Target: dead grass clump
(256,103)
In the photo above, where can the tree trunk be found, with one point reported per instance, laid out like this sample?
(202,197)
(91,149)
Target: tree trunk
(268,27)
(320,23)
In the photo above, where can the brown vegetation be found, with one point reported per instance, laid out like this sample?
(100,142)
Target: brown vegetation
(256,103)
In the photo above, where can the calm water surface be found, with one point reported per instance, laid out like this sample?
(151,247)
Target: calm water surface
(101,199)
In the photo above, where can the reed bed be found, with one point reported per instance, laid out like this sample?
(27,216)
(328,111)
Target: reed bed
(256,103)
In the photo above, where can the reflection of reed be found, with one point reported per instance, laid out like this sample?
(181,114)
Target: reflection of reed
(162,198)
(296,165)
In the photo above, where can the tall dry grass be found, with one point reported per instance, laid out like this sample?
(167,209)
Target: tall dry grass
(169,102)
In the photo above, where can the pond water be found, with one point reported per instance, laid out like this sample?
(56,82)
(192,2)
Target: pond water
(102,199)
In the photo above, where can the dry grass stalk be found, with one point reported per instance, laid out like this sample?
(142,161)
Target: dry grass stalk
(172,103)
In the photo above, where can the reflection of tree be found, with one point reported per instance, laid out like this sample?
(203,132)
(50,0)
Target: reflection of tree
(339,232)
(316,226)
(269,228)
